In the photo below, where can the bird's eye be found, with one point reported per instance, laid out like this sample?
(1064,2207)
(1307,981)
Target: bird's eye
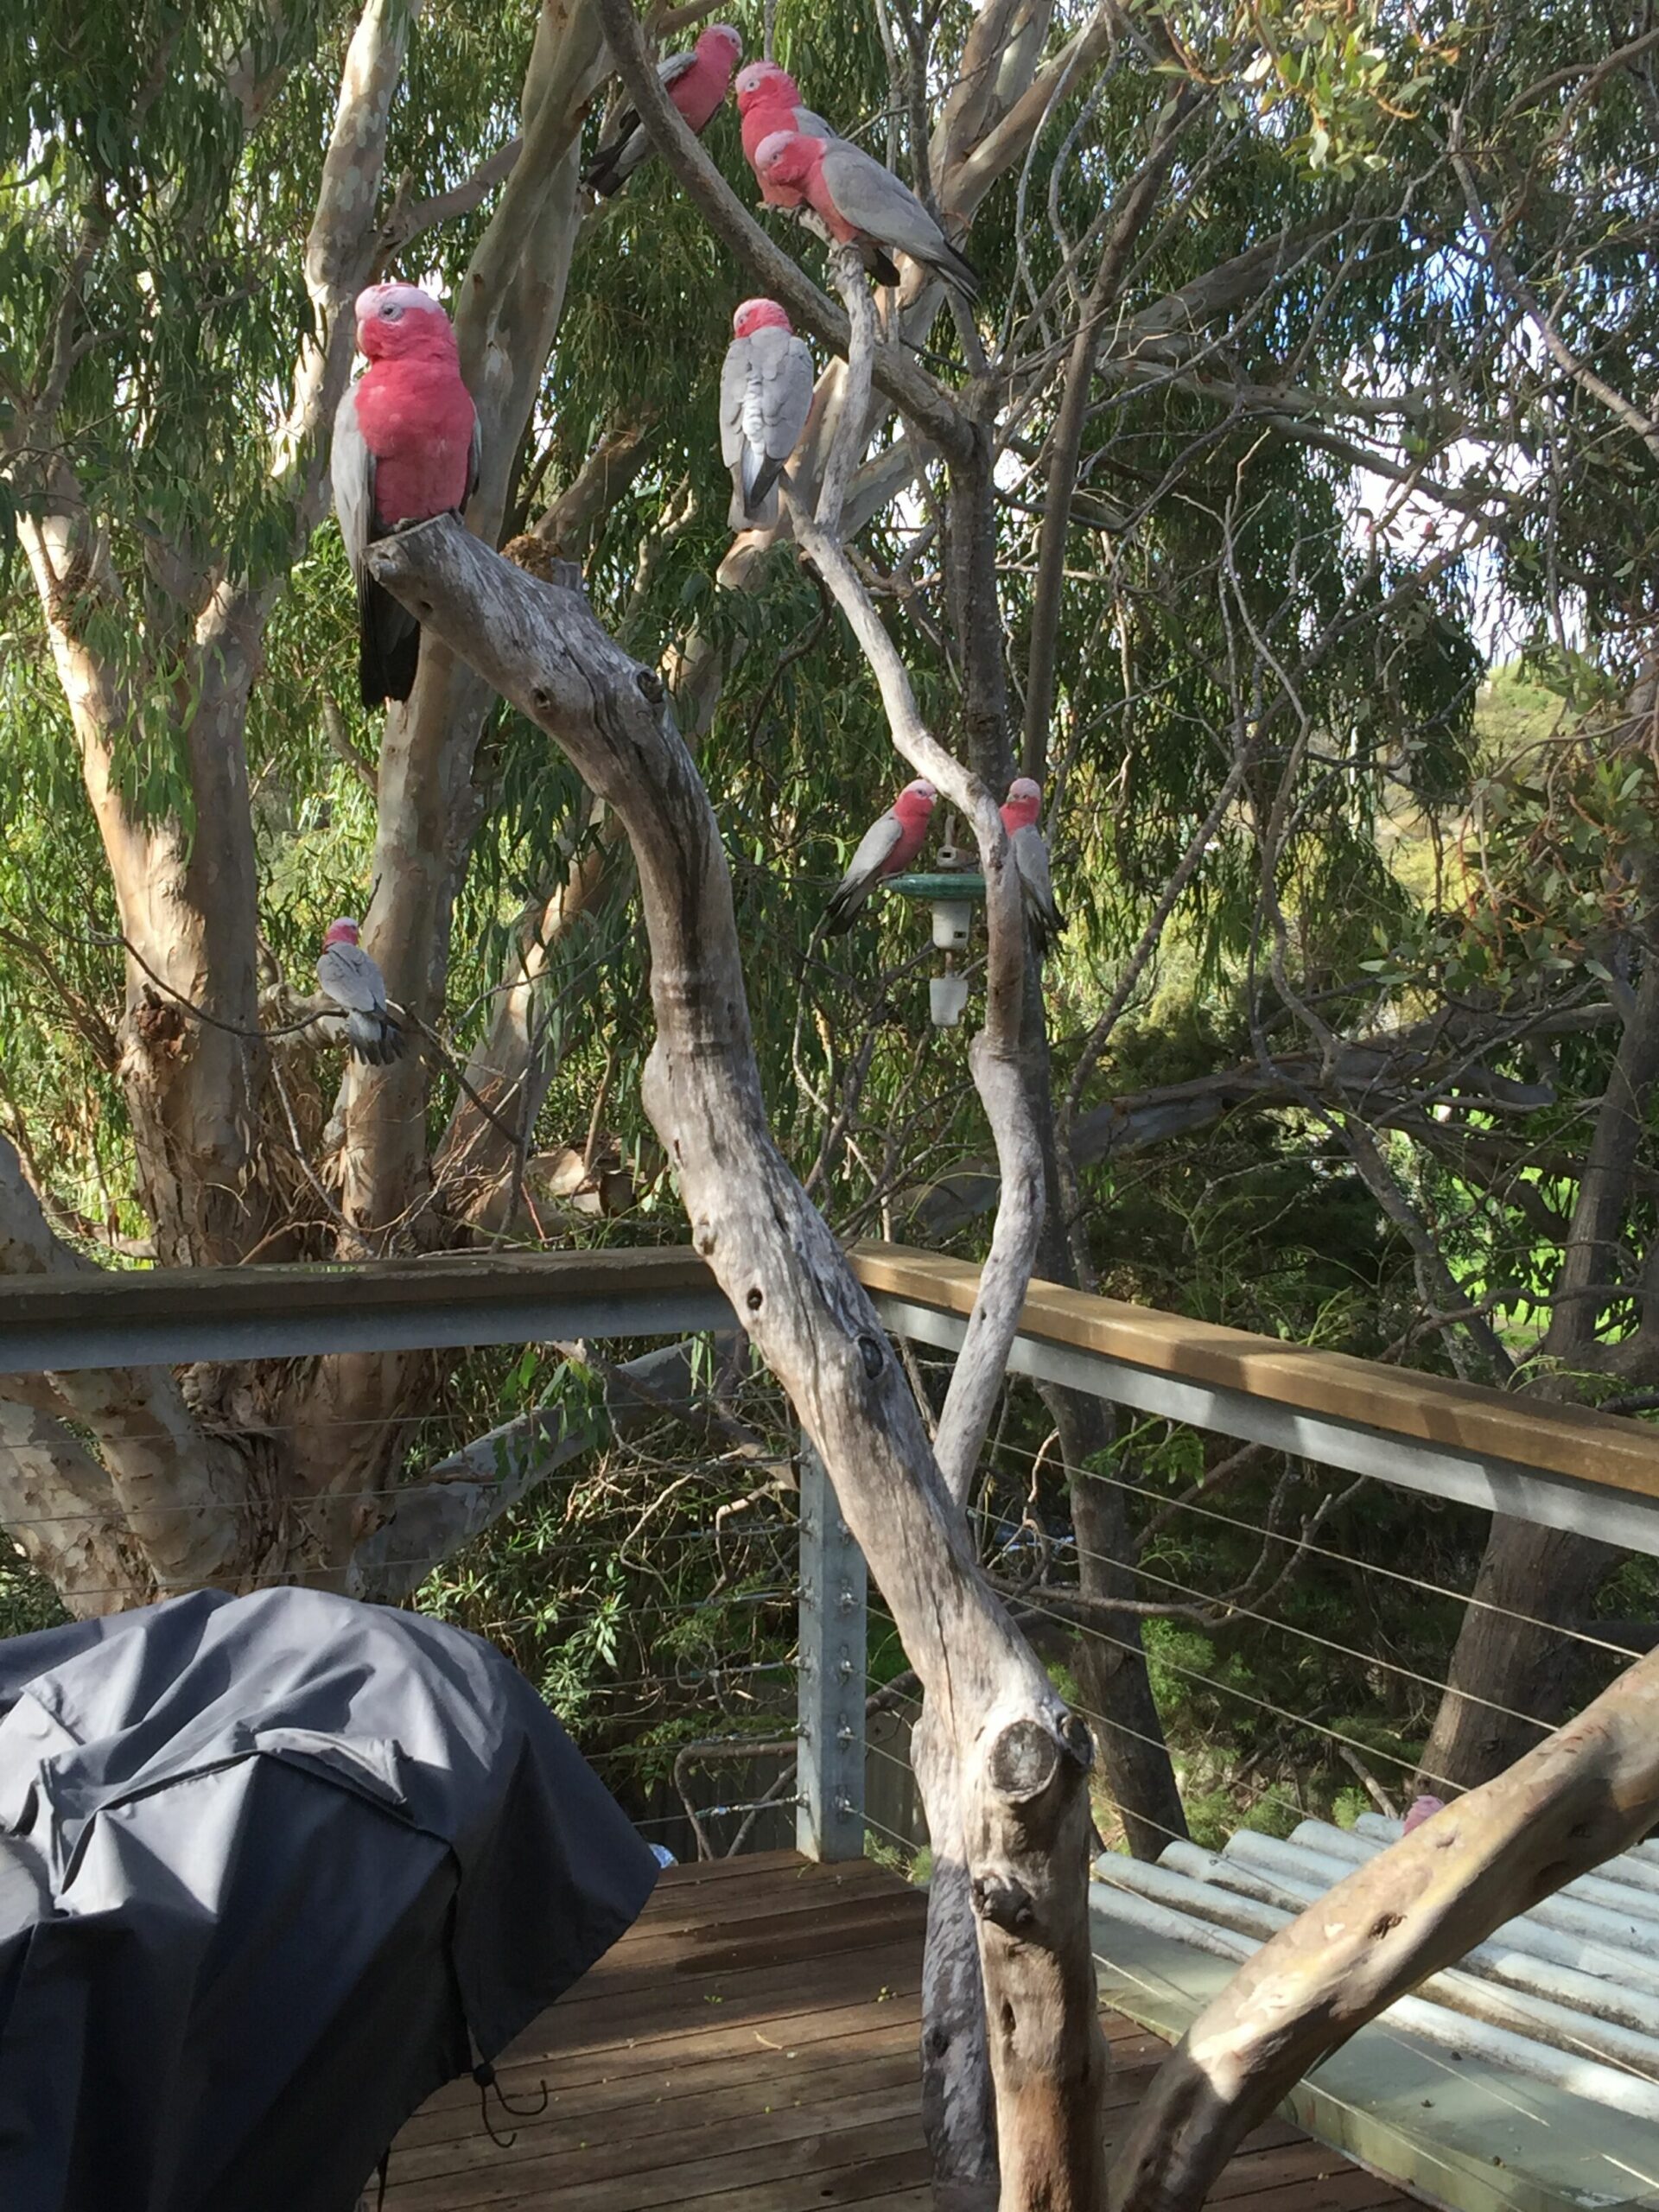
(390,310)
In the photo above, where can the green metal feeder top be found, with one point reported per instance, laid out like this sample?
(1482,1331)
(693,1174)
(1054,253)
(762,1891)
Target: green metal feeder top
(967,886)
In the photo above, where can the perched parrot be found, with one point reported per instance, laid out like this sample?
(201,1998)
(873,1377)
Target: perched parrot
(765,396)
(862,204)
(355,984)
(1422,1808)
(406,447)
(1021,813)
(695,82)
(769,99)
(890,843)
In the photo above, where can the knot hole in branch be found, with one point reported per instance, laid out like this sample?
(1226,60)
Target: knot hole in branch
(1004,1902)
(1027,1758)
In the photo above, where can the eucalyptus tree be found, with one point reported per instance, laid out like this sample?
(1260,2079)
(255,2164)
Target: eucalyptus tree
(1282,350)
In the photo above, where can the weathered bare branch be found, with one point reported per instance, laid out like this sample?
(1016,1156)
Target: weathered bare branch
(1583,1795)
(1022,1755)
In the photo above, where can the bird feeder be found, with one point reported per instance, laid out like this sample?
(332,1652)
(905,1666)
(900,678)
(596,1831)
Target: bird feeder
(952,892)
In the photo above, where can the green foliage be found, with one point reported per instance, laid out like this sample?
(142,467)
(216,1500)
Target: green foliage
(1404,840)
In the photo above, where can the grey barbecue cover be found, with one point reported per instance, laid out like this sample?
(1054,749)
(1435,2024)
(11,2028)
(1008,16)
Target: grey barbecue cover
(272,1869)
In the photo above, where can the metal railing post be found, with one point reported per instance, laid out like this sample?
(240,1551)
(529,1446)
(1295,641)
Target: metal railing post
(829,1819)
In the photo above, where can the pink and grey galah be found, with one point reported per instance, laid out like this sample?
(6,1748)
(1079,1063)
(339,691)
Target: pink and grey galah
(1421,1808)
(890,843)
(354,983)
(862,205)
(696,81)
(406,447)
(768,100)
(1021,816)
(766,396)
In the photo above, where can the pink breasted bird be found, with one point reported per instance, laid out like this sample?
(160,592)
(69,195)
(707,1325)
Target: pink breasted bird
(1021,817)
(769,99)
(696,81)
(354,983)
(406,447)
(1422,1808)
(890,843)
(766,396)
(863,205)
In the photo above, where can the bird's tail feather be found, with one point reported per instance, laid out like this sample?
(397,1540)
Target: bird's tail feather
(762,514)
(1046,923)
(611,168)
(761,472)
(955,268)
(389,643)
(843,908)
(375,1038)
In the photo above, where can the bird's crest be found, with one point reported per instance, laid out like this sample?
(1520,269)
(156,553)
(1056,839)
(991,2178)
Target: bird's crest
(784,154)
(767,80)
(759,315)
(395,319)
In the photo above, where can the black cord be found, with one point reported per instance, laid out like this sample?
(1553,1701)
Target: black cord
(483,2075)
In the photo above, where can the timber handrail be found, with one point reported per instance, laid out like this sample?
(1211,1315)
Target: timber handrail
(90,1319)
(1611,1450)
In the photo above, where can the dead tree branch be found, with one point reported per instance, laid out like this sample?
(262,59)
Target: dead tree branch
(1022,1755)
(1585,1794)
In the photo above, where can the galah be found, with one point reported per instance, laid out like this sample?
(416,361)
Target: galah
(765,396)
(406,447)
(769,99)
(862,205)
(890,843)
(354,983)
(697,82)
(1020,812)
(1422,1808)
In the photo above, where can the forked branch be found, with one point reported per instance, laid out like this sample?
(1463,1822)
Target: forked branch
(1022,1755)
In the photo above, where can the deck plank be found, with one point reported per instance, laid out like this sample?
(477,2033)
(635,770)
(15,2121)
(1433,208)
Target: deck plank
(750,2046)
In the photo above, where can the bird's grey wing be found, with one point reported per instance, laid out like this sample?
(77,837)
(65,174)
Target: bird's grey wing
(351,466)
(786,395)
(733,390)
(877,202)
(626,121)
(813,126)
(874,848)
(349,977)
(1030,858)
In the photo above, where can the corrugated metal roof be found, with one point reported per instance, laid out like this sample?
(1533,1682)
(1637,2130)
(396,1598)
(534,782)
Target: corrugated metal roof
(1527,2077)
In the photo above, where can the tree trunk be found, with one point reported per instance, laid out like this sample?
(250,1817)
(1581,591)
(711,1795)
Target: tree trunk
(1117,1692)
(1503,1666)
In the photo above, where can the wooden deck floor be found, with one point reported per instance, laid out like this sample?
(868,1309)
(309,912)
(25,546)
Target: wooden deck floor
(750,2046)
